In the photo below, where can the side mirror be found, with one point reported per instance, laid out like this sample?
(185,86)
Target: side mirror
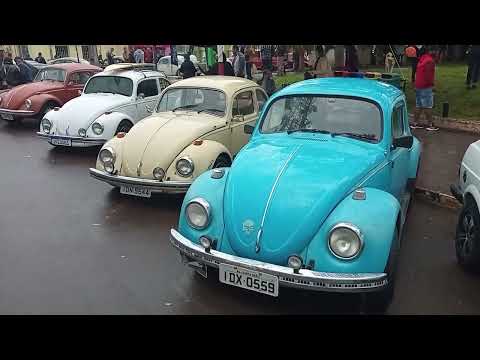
(248,129)
(403,142)
(141,96)
(238,118)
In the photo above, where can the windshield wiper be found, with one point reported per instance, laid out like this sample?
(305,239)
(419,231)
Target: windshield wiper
(184,107)
(369,137)
(308,130)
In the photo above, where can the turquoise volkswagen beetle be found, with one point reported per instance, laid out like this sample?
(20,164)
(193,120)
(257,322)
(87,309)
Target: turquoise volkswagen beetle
(316,200)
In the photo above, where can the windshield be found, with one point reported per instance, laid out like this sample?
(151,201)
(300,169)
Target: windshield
(51,74)
(109,84)
(336,115)
(193,99)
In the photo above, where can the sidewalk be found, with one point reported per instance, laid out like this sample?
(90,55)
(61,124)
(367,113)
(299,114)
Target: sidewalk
(442,152)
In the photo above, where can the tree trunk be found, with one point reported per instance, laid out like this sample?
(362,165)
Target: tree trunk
(92,51)
(301,61)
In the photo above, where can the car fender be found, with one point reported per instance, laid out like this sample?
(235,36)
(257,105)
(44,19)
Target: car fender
(39,101)
(110,122)
(415,152)
(203,157)
(211,190)
(473,191)
(375,216)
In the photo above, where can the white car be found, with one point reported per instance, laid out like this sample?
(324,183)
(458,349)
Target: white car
(112,102)
(165,64)
(467,191)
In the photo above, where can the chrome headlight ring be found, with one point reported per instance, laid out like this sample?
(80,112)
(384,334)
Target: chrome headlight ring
(107,155)
(187,163)
(97,128)
(46,125)
(199,205)
(357,241)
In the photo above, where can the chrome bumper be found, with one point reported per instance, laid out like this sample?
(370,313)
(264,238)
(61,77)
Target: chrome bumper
(23,113)
(305,279)
(171,187)
(76,140)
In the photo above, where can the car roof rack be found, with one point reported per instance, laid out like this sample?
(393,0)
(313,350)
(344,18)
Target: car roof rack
(129,66)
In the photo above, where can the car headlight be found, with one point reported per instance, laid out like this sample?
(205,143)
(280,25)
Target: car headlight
(107,156)
(198,213)
(28,104)
(82,132)
(158,173)
(97,128)
(345,241)
(46,126)
(185,166)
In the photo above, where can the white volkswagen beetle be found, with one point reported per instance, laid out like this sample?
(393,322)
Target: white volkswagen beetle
(112,101)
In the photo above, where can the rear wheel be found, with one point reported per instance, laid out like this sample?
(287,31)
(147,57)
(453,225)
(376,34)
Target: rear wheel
(467,237)
(124,126)
(222,161)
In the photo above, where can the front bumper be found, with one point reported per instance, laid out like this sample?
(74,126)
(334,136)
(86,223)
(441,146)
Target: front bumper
(16,113)
(170,187)
(455,190)
(305,279)
(77,141)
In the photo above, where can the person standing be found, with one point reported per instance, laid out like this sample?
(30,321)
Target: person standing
(26,75)
(148,55)
(239,66)
(3,73)
(187,69)
(139,56)
(249,55)
(131,58)
(424,82)
(414,61)
(40,59)
(267,82)
(473,67)
(110,56)
(125,54)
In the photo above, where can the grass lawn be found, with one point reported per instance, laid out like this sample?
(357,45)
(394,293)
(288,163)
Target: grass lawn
(449,86)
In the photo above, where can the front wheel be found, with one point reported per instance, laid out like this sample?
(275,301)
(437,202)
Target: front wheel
(467,237)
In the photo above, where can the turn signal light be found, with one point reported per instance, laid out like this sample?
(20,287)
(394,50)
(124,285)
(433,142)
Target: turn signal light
(121,135)
(198,142)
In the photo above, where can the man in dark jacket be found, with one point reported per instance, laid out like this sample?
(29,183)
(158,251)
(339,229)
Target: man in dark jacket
(473,67)
(40,59)
(26,75)
(187,69)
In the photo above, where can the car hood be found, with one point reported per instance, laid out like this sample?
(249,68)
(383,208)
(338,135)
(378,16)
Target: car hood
(291,187)
(15,98)
(158,139)
(82,111)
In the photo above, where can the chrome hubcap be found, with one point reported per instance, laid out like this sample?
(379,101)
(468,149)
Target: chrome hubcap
(467,235)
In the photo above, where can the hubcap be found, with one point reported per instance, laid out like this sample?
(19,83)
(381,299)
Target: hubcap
(466,235)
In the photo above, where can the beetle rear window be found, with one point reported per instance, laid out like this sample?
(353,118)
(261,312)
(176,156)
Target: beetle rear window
(109,84)
(332,114)
(194,99)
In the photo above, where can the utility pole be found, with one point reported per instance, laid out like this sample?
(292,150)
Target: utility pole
(339,56)
(92,51)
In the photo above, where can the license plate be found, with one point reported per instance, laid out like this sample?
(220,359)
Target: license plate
(7,117)
(136,191)
(248,279)
(61,142)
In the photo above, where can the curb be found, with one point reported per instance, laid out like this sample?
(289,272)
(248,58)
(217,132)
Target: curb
(437,198)
(462,125)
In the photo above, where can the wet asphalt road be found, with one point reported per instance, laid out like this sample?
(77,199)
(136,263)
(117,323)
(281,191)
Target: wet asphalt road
(73,245)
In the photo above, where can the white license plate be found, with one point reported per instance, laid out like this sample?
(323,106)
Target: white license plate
(248,279)
(7,117)
(136,191)
(61,142)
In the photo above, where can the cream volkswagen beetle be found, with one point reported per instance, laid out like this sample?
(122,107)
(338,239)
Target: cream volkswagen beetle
(198,125)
